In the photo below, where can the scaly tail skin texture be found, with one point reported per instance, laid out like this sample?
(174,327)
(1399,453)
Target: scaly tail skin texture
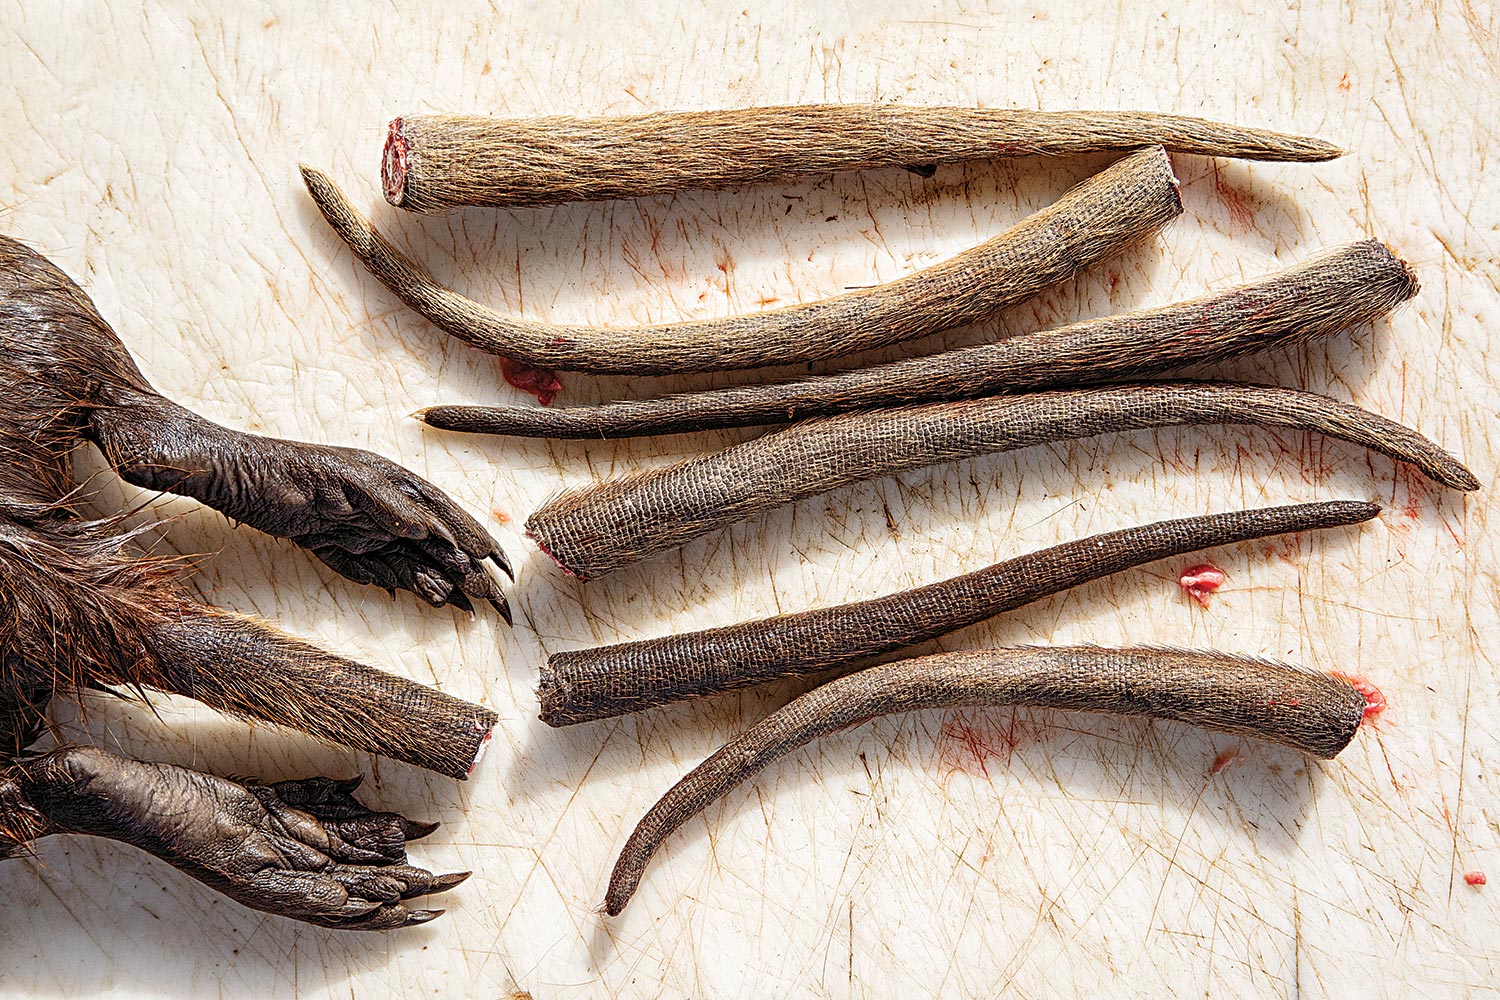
(1314,713)
(597,529)
(587,684)
(1096,218)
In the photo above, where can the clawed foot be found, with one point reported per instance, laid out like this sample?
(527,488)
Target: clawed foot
(301,849)
(344,865)
(376,522)
(364,515)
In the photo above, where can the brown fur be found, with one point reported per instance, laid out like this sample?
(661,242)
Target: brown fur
(435,162)
(81,607)
(1336,290)
(1096,218)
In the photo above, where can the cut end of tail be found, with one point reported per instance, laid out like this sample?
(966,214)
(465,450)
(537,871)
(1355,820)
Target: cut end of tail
(393,162)
(484,745)
(567,570)
(1374,699)
(1173,180)
(1410,285)
(550,697)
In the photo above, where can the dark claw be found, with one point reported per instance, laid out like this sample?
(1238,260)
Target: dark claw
(422,916)
(501,605)
(355,908)
(414,830)
(442,883)
(372,521)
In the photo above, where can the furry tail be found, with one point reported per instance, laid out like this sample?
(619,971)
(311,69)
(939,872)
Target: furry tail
(247,668)
(80,608)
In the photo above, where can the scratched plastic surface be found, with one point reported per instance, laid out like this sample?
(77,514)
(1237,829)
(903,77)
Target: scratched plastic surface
(153,155)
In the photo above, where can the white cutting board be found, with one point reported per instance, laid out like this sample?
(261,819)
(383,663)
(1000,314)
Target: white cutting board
(152,153)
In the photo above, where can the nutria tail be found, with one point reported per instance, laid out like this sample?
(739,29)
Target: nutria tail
(435,162)
(80,609)
(247,668)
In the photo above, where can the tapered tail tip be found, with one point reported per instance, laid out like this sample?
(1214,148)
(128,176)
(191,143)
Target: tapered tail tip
(1324,150)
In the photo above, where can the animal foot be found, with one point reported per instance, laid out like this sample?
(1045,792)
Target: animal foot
(301,849)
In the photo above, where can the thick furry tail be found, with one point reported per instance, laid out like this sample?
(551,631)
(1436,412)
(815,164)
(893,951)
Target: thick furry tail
(80,607)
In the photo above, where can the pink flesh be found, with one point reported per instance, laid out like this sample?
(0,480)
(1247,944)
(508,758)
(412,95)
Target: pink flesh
(1200,581)
(548,553)
(1474,878)
(484,745)
(541,382)
(1374,699)
(393,163)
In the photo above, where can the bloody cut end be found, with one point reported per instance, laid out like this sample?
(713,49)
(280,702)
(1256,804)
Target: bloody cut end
(1475,878)
(567,570)
(484,744)
(393,163)
(1374,698)
(540,382)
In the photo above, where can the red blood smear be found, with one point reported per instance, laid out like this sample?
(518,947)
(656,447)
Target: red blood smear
(1200,581)
(1374,699)
(500,515)
(544,384)
(548,553)
(1225,758)
(967,745)
(1239,213)
(1475,878)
